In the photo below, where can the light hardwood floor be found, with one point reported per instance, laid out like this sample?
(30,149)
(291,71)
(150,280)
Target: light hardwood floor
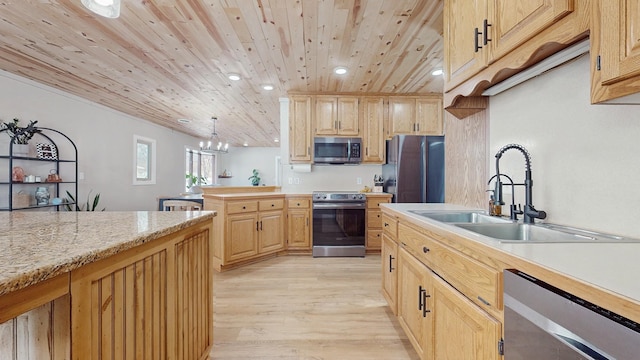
(299,307)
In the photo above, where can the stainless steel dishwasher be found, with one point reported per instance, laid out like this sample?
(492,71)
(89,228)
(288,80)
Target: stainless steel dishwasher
(544,322)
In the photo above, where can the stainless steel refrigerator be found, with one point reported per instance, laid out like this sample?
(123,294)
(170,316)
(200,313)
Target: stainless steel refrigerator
(414,172)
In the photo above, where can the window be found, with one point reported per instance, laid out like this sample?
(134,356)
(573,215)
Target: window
(201,166)
(144,161)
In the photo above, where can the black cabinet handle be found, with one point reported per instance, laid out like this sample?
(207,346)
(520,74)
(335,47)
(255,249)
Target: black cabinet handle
(425,249)
(476,39)
(244,208)
(298,204)
(385,224)
(486,31)
(424,307)
(260,225)
(391,263)
(421,302)
(257,222)
(272,205)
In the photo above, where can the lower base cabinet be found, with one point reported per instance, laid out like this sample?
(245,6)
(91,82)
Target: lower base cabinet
(440,322)
(390,272)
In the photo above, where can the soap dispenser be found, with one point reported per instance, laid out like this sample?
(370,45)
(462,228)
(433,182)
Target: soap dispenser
(494,209)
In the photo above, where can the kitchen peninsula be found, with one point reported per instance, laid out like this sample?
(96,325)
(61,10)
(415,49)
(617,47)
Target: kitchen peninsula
(87,285)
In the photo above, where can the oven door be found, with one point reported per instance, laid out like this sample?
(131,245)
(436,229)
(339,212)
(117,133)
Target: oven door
(338,225)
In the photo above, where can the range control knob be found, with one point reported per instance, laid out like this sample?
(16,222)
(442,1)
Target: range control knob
(324,196)
(360,196)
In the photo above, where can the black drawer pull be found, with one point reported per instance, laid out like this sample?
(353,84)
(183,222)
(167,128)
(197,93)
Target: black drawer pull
(244,208)
(425,249)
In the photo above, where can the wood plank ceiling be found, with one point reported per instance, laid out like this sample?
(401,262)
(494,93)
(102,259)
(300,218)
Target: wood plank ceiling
(164,60)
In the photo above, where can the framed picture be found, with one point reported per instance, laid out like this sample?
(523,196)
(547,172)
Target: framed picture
(47,151)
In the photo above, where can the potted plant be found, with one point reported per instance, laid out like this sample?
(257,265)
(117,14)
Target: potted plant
(255,178)
(194,180)
(91,205)
(20,136)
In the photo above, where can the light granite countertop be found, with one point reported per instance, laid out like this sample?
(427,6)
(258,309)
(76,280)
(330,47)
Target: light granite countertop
(612,266)
(36,246)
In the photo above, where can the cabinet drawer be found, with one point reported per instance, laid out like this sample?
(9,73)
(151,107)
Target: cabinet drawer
(271,204)
(238,207)
(374,239)
(390,226)
(374,219)
(298,203)
(374,203)
(475,280)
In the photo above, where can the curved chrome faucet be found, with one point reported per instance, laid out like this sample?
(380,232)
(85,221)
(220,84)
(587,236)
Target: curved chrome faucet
(530,212)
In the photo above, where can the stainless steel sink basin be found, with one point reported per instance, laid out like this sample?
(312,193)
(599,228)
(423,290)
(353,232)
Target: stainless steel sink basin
(460,217)
(516,232)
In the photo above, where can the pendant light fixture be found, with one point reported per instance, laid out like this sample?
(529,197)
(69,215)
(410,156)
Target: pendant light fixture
(209,148)
(106,8)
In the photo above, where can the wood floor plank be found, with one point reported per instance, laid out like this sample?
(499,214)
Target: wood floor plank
(299,307)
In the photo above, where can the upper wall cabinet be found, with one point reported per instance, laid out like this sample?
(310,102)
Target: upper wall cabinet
(300,128)
(336,116)
(479,32)
(615,50)
(487,41)
(414,116)
(373,139)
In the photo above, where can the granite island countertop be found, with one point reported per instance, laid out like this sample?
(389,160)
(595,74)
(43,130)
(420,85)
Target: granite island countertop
(612,266)
(37,246)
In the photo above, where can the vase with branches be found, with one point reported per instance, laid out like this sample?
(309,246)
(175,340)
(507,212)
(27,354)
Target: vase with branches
(20,135)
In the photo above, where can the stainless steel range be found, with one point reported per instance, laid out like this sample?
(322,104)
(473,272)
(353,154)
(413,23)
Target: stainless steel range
(338,223)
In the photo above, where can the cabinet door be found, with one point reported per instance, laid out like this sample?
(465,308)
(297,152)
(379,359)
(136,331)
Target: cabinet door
(514,23)
(300,129)
(271,231)
(476,333)
(242,237)
(412,284)
(429,116)
(619,31)
(373,119)
(299,229)
(461,60)
(348,119)
(326,120)
(390,272)
(402,114)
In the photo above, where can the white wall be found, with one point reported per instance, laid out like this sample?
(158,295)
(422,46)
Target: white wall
(585,162)
(241,162)
(104,139)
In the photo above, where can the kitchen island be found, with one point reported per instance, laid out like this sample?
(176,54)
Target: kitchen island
(461,274)
(91,285)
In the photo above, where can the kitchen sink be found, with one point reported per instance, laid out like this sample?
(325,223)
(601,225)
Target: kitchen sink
(515,232)
(473,217)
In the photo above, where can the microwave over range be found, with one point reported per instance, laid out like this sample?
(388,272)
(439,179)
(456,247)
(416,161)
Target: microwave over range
(337,150)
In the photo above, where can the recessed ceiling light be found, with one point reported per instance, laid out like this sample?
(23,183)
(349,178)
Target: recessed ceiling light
(234,77)
(267,87)
(340,70)
(106,8)
(245,144)
(436,72)
(184,121)
(276,140)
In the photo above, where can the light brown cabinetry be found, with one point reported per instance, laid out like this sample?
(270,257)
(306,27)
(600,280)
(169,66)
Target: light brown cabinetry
(300,107)
(374,220)
(479,32)
(615,50)
(373,123)
(414,116)
(513,38)
(247,229)
(448,303)
(153,301)
(336,115)
(440,322)
(390,261)
(299,224)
